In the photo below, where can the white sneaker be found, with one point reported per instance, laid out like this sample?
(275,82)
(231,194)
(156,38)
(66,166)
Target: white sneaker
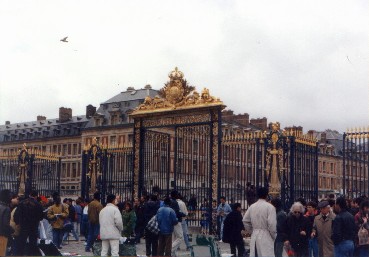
(221,241)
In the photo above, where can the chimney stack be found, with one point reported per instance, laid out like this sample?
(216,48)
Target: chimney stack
(323,137)
(65,114)
(261,123)
(90,111)
(40,118)
(7,122)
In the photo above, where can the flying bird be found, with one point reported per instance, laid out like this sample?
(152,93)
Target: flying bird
(64,40)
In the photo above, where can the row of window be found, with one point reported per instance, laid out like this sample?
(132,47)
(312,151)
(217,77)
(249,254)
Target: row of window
(60,149)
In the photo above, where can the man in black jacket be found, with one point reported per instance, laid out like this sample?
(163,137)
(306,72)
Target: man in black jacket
(233,226)
(28,215)
(5,228)
(344,229)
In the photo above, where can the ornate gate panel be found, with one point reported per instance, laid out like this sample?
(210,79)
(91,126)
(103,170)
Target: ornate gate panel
(156,176)
(30,170)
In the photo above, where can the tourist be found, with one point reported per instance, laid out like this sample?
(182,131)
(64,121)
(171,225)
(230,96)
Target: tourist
(232,229)
(223,210)
(28,215)
(111,226)
(167,219)
(72,220)
(178,231)
(311,213)
(361,221)
(205,217)
(344,230)
(281,220)
(94,208)
(56,214)
(183,209)
(5,229)
(79,211)
(129,220)
(138,206)
(85,224)
(250,194)
(297,231)
(260,221)
(151,239)
(322,229)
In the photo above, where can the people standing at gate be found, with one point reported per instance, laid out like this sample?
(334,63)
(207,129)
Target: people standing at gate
(138,206)
(167,219)
(28,215)
(151,239)
(233,226)
(281,220)
(322,229)
(72,219)
(5,229)
(85,224)
(183,209)
(56,214)
(361,221)
(129,220)
(111,226)
(297,231)
(355,206)
(94,208)
(178,231)
(311,213)
(223,210)
(78,209)
(344,229)
(250,194)
(261,222)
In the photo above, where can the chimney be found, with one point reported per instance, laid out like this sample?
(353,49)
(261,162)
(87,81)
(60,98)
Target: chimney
(323,137)
(65,114)
(90,111)
(148,86)
(7,122)
(227,115)
(129,89)
(242,119)
(261,123)
(40,118)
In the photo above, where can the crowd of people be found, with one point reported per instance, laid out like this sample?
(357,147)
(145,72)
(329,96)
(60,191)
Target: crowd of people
(331,227)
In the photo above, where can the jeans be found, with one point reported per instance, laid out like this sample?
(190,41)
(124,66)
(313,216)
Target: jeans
(240,247)
(58,237)
(313,247)
(113,244)
(278,248)
(185,233)
(344,249)
(66,233)
(151,241)
(221,227)
(363,251)
(84,226)
(93,232)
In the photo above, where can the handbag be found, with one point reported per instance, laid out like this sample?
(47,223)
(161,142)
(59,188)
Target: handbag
(153,225)
(363,236)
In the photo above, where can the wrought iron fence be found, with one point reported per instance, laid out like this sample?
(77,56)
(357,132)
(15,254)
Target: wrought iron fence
(355,163)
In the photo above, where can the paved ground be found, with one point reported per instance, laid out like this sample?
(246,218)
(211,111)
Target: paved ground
(79,248)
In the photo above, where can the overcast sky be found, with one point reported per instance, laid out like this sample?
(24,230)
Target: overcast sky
(297,62)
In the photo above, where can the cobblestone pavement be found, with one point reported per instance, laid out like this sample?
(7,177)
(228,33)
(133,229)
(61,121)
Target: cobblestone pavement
(79,248)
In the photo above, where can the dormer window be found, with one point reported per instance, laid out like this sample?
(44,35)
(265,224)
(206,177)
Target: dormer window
(97,122)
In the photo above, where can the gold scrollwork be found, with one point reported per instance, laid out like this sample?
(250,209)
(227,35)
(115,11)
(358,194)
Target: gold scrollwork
(176,120)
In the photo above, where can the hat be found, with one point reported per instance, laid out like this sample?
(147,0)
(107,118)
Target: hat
(323,204)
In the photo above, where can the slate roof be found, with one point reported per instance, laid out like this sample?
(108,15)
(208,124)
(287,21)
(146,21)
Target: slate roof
(132,95)
(333,137)
(49,128)
(118,104)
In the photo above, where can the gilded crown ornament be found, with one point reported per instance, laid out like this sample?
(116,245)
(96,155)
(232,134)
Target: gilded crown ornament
(175,94)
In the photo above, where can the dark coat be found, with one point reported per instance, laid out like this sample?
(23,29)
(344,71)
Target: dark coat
(292,230)
(233,226)
(5,228)
(150,209)
(28,214)
(343,227)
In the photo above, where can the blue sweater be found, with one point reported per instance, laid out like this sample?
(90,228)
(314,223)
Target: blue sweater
(166,220)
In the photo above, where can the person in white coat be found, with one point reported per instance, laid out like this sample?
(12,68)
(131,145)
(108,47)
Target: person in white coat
(261,222)
(111,226)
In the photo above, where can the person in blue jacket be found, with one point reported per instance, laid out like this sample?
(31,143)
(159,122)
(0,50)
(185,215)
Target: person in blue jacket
(223,210)
(167,219)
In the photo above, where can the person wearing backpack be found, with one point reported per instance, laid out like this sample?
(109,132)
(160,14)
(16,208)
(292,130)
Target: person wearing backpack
(56,214)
